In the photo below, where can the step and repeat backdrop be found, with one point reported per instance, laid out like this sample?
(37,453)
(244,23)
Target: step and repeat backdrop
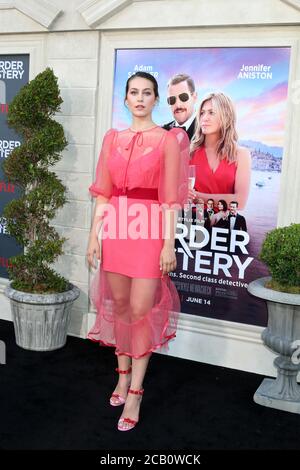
(217,257)
(14,73)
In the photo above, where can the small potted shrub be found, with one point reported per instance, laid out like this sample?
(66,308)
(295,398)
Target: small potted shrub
(281,291)
(40,298)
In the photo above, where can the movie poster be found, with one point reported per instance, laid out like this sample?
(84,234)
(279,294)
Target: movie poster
(14,73)
(217,256)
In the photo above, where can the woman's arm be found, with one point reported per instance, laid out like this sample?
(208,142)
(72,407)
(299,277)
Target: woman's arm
(216,217)
(242,177)
(101,190)
(94,247)
(241,185)
(213,220)
(167,255)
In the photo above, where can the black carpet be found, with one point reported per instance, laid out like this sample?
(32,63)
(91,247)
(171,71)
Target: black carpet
(59,400)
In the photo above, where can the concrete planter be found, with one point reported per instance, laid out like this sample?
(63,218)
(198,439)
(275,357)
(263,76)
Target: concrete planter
(283,329)
(41,320)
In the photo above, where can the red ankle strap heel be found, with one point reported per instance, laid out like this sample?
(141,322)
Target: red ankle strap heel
(126,424)
(116,399)
(120,371)
(136,392)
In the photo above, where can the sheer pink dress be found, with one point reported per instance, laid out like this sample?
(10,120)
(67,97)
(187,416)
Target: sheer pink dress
(141,174)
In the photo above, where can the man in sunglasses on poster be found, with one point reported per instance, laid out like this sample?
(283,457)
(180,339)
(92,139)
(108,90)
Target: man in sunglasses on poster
(182,98)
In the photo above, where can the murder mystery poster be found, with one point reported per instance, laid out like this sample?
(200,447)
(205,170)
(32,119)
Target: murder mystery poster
(216,263)
(14,73)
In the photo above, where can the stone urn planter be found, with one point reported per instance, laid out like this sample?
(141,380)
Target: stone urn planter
(282,331)
(41,320)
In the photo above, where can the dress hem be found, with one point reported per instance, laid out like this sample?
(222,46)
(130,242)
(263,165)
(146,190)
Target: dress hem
(118,353)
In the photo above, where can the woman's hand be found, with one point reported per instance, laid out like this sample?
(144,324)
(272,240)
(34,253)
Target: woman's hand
(195,197)
(93,248)
(167,261)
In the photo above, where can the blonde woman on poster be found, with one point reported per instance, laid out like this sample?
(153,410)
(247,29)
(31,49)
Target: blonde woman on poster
(223,168)
(141,181)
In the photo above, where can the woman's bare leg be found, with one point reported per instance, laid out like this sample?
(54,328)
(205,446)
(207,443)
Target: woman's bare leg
(142,297)
(120,288)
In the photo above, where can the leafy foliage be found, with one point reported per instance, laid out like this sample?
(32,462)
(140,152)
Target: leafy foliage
(281,253)
(27,218)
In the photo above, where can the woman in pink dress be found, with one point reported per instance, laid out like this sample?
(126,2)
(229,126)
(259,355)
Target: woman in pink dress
(141,183)
(223,168)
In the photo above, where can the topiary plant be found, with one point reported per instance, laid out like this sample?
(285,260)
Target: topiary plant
(27,218)
(281,253)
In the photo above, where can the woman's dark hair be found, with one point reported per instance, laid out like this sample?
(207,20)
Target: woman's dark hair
(146,75)
(224,203)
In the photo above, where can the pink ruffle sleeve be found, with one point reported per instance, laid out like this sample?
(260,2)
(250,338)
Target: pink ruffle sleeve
(102,185)
(173,180)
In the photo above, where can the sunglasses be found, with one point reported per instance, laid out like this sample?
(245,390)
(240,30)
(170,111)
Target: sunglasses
(183,97)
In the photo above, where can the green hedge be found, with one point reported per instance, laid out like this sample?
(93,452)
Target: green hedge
(281,253)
